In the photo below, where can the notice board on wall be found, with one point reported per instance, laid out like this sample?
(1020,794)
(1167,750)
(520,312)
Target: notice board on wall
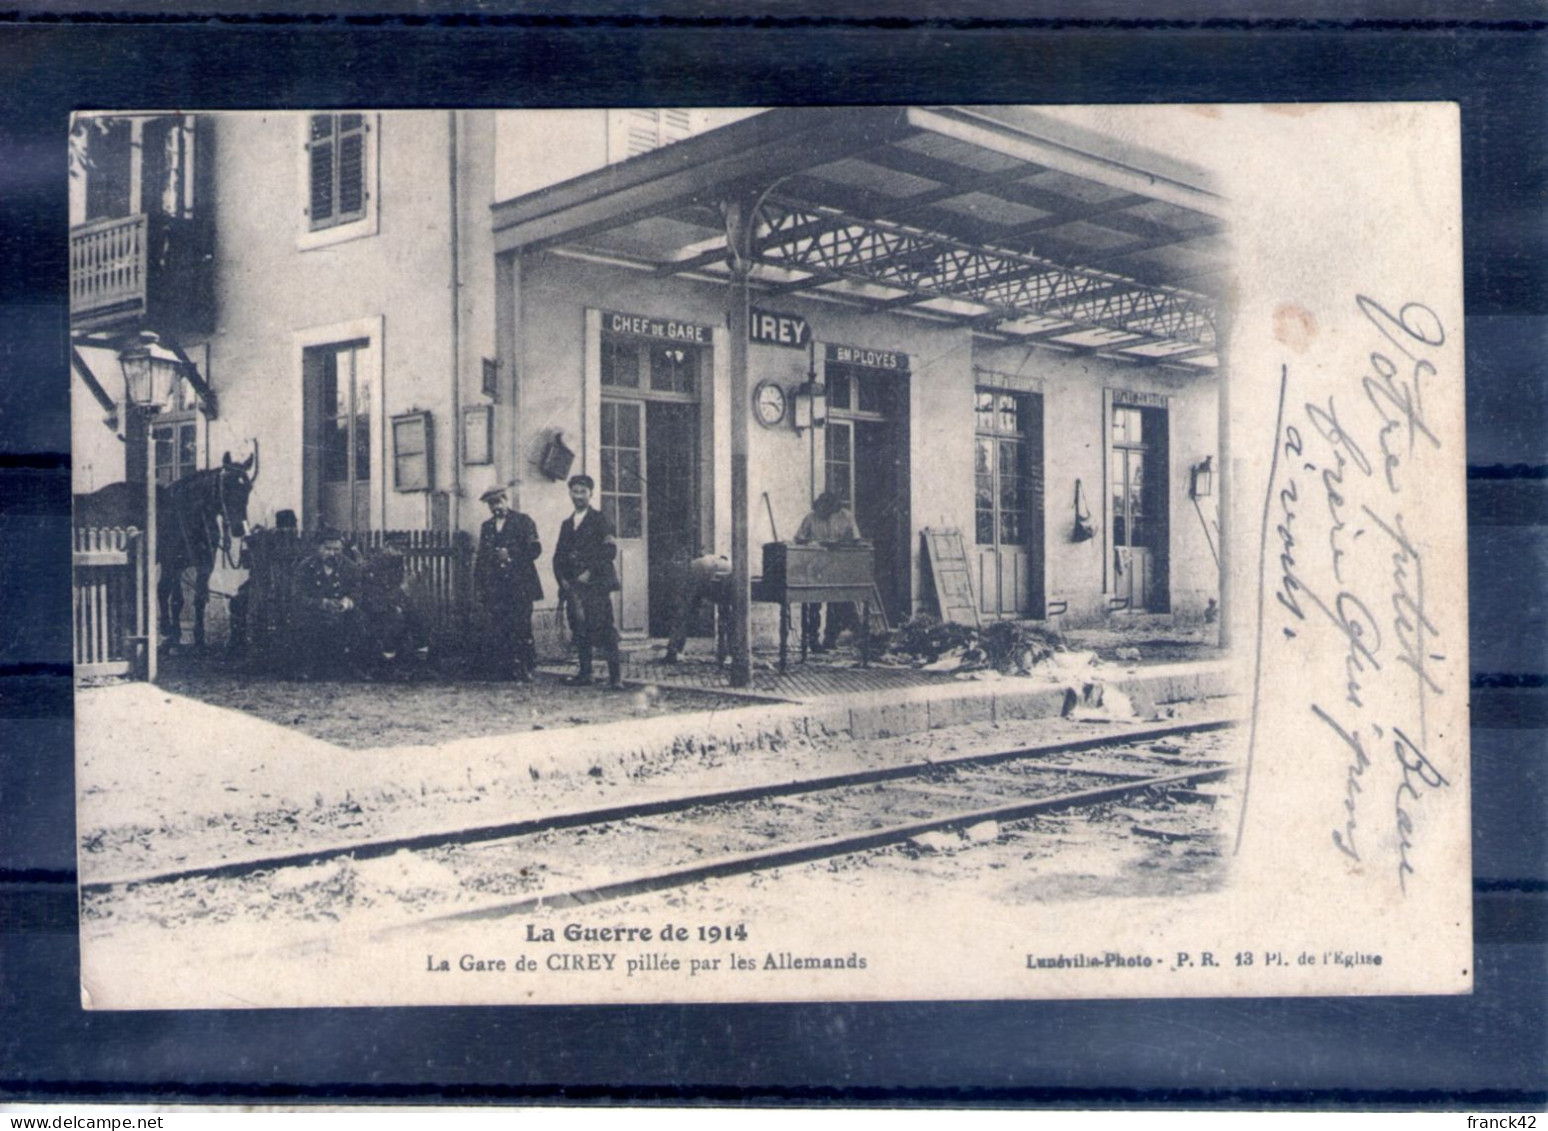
(953,574)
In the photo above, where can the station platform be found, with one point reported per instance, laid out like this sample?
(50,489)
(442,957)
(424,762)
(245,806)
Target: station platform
(166,781)
(163,776)
(801,682)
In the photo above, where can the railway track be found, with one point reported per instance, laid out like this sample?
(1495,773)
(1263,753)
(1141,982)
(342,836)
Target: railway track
(803,822)
(586,856)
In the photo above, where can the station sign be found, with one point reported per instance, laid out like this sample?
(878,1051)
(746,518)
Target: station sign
(1133,398)
(870,359)
(664,328)
(771,329)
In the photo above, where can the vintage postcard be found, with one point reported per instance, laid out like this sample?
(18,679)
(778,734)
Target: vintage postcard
(783,554)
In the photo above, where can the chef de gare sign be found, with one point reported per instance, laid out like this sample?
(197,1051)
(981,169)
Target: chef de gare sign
(667,328)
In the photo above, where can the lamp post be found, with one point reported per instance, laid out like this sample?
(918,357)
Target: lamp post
(151,372)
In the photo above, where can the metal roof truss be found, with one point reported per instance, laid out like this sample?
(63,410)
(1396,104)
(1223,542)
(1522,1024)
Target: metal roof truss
(832,246)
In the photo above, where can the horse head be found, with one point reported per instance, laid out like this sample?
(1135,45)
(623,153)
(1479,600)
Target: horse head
(236,484)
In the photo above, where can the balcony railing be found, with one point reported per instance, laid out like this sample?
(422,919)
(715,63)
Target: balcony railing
(153,271)
(108,270)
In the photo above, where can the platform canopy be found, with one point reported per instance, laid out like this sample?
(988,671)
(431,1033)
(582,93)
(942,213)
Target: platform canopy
(1006,220)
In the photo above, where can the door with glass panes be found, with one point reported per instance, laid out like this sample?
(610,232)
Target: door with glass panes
(1008,504)
(337,448)
(1137,479)
(866,464)
(649,481)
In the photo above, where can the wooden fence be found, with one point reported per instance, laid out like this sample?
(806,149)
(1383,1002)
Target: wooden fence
(109,592)
(436,582)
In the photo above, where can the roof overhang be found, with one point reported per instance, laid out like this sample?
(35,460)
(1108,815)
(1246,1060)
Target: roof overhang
(1005,219)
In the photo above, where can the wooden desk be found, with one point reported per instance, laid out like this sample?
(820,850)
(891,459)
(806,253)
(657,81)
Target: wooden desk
(814,574)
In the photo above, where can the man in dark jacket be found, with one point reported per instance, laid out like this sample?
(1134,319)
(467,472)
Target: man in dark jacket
(327,609)
(505,579)
(584,567)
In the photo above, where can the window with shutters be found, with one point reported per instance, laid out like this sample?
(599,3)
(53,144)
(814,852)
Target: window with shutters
(338,175)
(633,132)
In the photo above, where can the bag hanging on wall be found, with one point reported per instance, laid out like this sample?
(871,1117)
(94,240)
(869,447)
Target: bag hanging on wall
(557,458)
(1083,531)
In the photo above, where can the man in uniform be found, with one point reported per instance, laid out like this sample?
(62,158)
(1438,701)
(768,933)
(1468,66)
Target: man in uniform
(506,582)
(327,589)
(584,567)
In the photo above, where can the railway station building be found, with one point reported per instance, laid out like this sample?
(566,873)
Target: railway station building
(981,320)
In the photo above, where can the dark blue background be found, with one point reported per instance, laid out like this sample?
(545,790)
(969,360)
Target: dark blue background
(1486,1050)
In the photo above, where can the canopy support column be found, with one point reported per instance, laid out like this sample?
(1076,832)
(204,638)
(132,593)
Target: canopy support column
(1224,479)
(739,216)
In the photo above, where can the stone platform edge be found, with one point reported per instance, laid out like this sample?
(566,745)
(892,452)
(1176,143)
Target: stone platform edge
(864,715)
(498,769)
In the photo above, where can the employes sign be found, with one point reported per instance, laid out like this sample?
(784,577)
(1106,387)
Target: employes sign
(870,359)
(772,329)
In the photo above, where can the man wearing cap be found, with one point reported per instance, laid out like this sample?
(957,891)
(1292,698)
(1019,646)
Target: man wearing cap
(327,590)
(583,565)
(506,582)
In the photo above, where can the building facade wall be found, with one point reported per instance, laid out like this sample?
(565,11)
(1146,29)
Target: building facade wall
(281,289)
(1079,573)
(946,365)
(276,296)
(97,452)
(539,148)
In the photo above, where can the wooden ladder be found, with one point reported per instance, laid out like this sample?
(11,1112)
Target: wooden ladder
(879,623)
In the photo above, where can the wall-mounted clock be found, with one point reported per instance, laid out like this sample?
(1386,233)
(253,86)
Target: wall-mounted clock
(769,403)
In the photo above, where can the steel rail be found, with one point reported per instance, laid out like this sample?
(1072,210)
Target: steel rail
(549,822)
(807,851)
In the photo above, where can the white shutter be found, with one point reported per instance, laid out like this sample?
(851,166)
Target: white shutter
(636,131)
(644,131)
(675,125)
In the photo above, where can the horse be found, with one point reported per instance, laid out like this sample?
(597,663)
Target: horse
(196,517)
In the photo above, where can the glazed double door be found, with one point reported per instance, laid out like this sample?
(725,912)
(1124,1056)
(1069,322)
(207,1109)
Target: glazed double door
(1139,512)
(867,468)
(1008,510)
(650,491)
(337,447)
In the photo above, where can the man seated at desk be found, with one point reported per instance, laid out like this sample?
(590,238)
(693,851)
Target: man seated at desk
(829,522)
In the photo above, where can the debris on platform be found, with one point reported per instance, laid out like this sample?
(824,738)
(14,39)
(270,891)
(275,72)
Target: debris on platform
(1071,664)
(1095,702)
(1006,647)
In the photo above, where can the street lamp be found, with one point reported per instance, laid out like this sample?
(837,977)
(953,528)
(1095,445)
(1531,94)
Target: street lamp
(1203,485)
(810,403)
(151,373)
